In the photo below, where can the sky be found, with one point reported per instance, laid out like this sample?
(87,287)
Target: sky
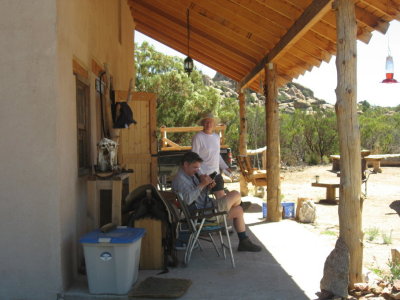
(322,80)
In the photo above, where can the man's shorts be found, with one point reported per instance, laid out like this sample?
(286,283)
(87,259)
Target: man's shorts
(219,184)
(221,203)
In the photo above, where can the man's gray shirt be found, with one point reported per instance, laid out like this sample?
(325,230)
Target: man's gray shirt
(187,187)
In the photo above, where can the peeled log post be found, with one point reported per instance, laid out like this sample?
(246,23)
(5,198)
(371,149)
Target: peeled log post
(244,191)
(274,211)
(350,209)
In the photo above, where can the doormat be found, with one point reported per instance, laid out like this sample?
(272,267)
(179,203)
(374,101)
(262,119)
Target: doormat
(154,287)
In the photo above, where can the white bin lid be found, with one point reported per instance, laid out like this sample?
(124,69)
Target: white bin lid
(117,236)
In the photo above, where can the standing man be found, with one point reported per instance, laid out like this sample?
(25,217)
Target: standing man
(194,191)
(206,144)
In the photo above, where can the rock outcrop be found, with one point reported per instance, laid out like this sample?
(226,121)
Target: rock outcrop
(292,96)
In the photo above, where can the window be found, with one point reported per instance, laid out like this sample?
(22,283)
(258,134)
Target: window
(83,125)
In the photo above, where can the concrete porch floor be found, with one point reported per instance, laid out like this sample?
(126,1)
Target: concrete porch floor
(290,266)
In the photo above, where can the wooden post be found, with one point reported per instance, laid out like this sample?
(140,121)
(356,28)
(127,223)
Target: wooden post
(350,208)
(244,190)
(274,211)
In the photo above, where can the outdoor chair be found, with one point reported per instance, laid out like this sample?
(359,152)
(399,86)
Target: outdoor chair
(202,224)
(251,175)
(365,173)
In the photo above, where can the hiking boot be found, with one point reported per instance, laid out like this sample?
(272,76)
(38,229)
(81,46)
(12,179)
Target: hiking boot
(245,205)
(247,245)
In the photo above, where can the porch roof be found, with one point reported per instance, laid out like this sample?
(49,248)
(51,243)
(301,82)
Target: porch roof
(238,37)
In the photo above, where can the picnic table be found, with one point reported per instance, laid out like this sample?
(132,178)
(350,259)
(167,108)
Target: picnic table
(373,160)
(330,190)
(336,159)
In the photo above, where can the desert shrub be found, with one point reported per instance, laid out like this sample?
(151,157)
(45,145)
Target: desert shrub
(394,268)
(372,233)
(387,238)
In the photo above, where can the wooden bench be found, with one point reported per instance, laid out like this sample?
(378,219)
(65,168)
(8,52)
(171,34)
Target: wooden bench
(375,161)
(330,190)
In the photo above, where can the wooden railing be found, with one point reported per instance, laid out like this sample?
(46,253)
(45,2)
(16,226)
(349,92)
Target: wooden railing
(168,145)
(262,150)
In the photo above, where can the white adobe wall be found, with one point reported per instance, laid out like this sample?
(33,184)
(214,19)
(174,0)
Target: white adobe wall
(87,30)
(30,252)
(42,199)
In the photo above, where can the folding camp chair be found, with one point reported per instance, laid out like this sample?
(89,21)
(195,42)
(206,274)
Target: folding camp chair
(199,227)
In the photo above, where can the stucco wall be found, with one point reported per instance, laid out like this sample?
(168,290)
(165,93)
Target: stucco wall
(29,185)
(42,207)
(100,30)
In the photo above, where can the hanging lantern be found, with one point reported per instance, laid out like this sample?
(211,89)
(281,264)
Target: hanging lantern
(389,70)
(188,62)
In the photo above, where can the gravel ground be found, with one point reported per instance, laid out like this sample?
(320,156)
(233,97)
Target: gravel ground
(381,209)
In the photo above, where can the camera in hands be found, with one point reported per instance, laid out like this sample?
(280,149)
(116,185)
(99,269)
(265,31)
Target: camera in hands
(212,175)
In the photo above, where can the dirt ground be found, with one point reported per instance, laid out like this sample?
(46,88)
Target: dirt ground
(381,209)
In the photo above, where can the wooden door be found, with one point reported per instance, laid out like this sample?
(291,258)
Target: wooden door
(138,144)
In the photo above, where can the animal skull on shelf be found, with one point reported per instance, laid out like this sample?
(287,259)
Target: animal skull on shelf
(107,155)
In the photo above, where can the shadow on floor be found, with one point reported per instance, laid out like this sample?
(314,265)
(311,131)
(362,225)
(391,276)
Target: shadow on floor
(286,268)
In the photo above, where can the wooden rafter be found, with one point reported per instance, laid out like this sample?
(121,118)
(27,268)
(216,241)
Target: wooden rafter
(179,25)
(236,37)
(208,22)
(179,46)
(308,18)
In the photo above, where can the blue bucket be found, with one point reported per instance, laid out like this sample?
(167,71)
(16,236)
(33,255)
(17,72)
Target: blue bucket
(288,210)
(264,210)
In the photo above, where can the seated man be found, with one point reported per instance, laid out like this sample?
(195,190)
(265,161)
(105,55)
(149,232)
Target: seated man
(194,191)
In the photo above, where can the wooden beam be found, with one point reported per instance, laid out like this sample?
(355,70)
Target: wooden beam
(274,211)
(391,10)
(178,23)
(300,54)
(196,53)
(314,51)
(263,11)
(325,30)
(232,12)
(350,203)
(199,51)
(202,20)
(282,7)
(231,28)
(321,42)
(310,16)
(242,138)
(198,47)
(373,22)
(214,63)
(363,34)
(298,62)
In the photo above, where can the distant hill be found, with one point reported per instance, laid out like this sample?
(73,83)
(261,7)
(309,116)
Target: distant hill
(292,96)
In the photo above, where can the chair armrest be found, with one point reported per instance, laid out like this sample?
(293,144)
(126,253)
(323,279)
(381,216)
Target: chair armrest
(202,210)
(201,216)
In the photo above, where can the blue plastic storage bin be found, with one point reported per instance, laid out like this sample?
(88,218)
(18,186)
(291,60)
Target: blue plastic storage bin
(112,259)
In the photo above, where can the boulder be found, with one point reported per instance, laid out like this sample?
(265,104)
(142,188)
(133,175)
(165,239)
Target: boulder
(302,104)
(307,212)
(336,270)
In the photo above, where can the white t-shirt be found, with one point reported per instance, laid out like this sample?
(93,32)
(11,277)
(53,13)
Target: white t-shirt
(207,146)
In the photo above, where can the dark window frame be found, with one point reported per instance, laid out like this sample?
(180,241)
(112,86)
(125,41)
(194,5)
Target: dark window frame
(84,162)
